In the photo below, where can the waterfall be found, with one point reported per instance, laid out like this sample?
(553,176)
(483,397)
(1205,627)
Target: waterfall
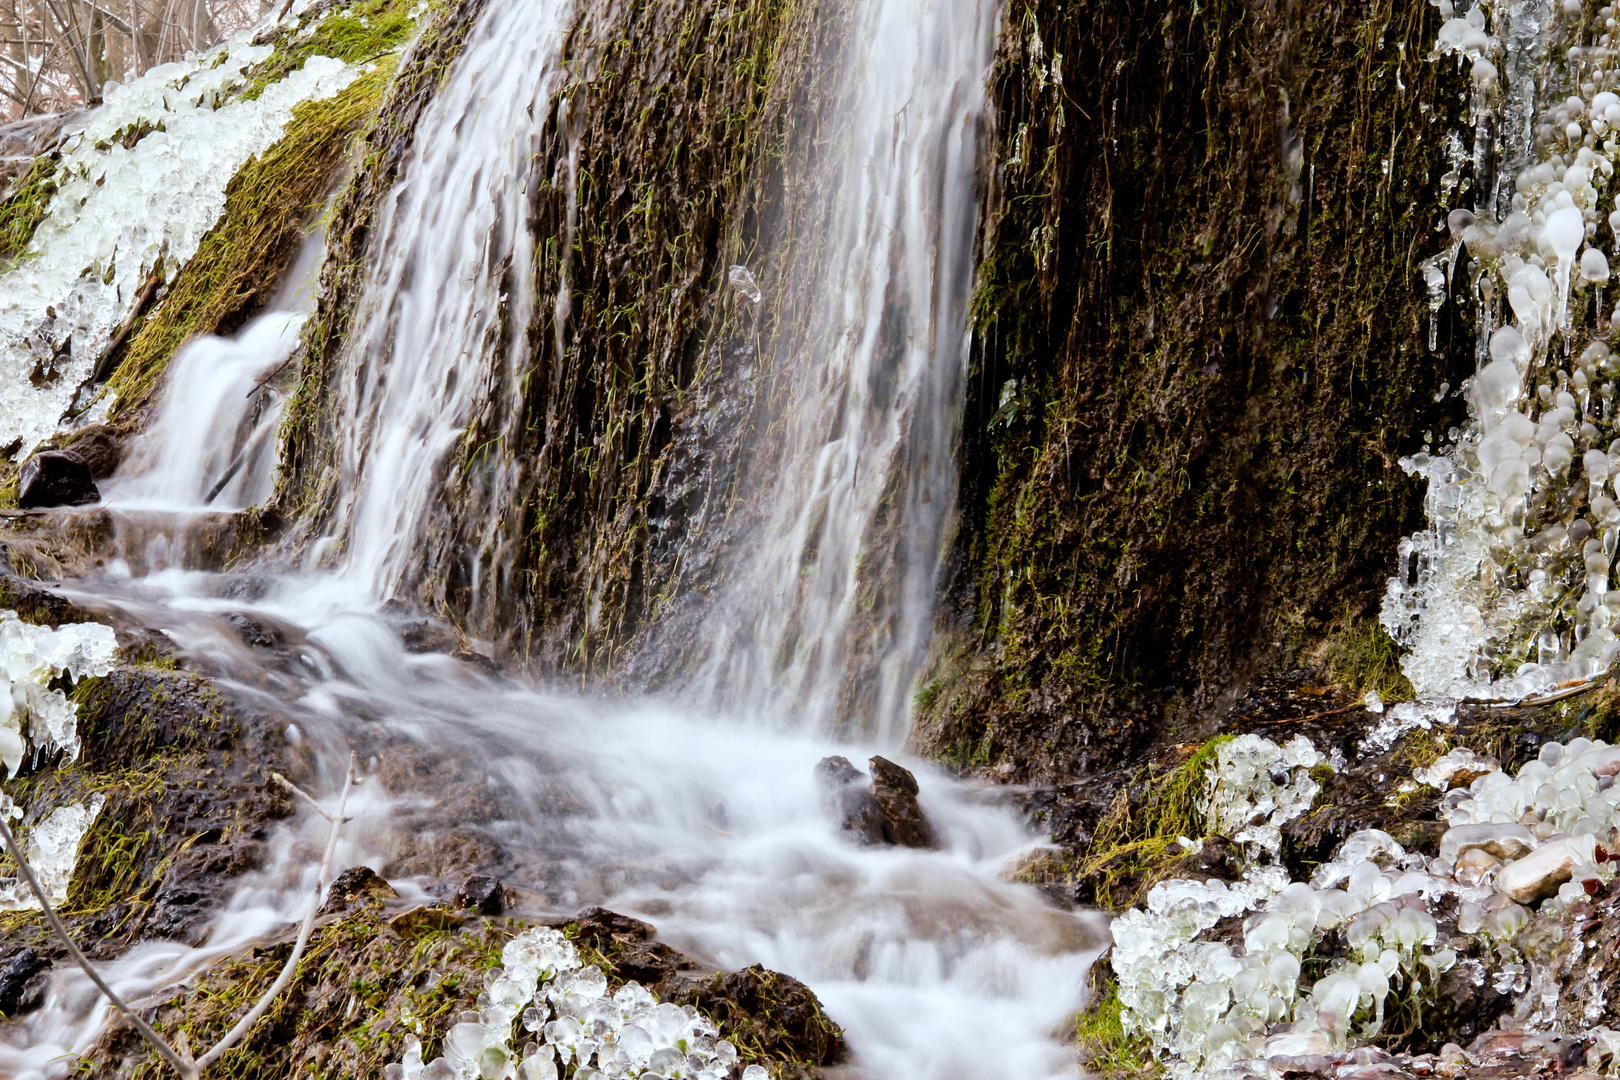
(441,326)
(828,620)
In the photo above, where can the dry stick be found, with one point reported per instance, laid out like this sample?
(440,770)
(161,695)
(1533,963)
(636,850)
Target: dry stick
(233,1036)
(184,1067)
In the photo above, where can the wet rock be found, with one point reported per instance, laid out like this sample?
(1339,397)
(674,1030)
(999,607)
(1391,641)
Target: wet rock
(849,800)
(21,990)
(482,894)
(355,883)
(895,790)
(763,1009)
(1539,874)
(424,919)
(1502,841)
(55,478)
(101,450)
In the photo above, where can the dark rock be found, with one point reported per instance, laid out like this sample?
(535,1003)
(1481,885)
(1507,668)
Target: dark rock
(775,1014)
(848,798)
(20,991)
(100,449)
(895,789)
(482,894)
(355,883)
(55,478)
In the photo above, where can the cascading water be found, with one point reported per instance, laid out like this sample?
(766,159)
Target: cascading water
(829,621)
(711,829)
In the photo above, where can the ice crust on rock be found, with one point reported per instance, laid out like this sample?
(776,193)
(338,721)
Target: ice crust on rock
(568,1019)
(122,214)
(52,851)
(1256,786)
(30,658)
(1222,1009)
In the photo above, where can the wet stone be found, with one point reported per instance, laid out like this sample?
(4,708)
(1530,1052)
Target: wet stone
(849,800)
(20,988)
(895,789)
(424,919)
(482,894)
(355,883)
(55,478)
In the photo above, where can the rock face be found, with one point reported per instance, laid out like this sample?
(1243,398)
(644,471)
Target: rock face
(353,884)
(55,478)
(848,798)
(20,990)
(896,792)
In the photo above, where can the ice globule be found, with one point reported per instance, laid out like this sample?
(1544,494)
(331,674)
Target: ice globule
(124,215)
(1256,786)
(570,1021)
(30,658)
(52,851)
(1507,593)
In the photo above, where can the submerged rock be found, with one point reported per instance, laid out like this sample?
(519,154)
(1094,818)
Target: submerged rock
(895,790)
(849,800)
(55,478)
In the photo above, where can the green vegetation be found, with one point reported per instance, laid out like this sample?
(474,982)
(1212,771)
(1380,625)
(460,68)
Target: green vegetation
(1362,657)
(1106,1051)
(1137,843)
(24,208)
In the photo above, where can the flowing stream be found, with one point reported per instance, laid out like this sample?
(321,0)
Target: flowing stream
(697,811)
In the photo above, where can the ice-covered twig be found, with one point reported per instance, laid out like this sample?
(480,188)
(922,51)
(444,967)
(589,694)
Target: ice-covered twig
(181,1059)
(182,1064)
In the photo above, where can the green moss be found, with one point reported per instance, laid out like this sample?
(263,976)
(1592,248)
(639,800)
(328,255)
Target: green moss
(237,267)
(1135,844)
(356,34)
(24,208)
(1106,1050)
(1362,657)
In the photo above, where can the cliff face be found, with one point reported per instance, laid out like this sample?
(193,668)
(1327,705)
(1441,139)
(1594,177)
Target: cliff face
(1201,340)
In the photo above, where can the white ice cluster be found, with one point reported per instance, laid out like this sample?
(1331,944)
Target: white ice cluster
(1507,593)
(1255,787)
(52,851)
(1214,1009)
(137,190)
(571,1020)
(30,658)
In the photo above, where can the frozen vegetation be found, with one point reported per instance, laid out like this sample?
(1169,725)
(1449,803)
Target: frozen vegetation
(137,190)
(1508,592)
(570,1020)
(1235,1004)
(36,716)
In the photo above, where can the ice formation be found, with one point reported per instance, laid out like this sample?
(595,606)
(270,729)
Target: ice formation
(571,1020)
(137,190)
(52,851)
(1507,593)
(1219,1008)
(30,658)
(1255,787)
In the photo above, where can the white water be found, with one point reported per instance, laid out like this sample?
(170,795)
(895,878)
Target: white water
(709,827)
(876,400)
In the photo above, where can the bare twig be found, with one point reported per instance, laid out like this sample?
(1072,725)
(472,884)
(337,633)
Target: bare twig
(233,1036)
(182,1065)
(180,1059)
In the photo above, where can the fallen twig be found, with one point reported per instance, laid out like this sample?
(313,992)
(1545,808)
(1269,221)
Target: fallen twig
(180,1059)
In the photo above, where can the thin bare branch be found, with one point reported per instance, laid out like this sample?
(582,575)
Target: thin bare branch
(182,1065)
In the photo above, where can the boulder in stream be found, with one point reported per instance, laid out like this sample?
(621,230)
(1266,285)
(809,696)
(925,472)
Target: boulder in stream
(895,789)
(482,894)
(21,988)
(55,478)
(848,797)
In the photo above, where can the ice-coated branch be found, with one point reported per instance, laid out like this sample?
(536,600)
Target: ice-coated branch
(180,1059)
